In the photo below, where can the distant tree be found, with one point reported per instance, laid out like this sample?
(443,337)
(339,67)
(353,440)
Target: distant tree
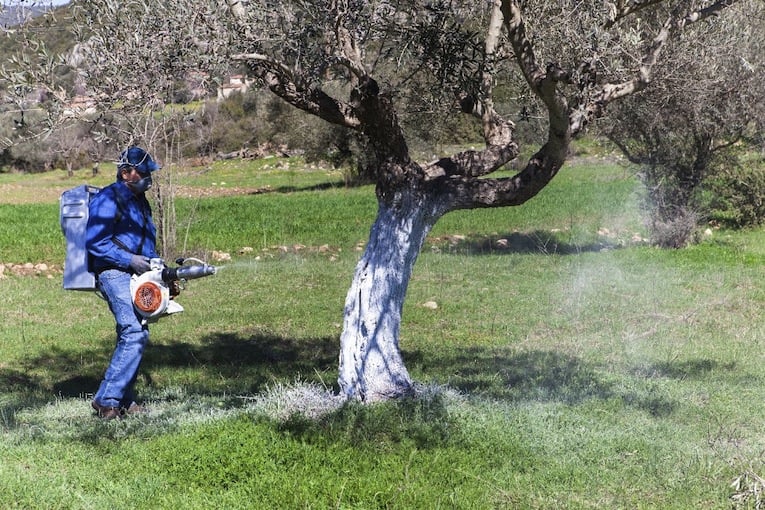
(350,62)
(707,97)
(72,146)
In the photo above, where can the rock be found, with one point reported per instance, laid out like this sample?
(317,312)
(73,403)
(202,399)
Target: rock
(221,256)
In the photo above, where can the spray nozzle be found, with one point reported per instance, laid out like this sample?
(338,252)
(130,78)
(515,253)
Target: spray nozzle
(170,274)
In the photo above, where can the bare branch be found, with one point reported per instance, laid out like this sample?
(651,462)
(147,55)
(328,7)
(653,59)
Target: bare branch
(284,83)
(522,46)
(468,193)
(497,131)
(706,12)
(350,50)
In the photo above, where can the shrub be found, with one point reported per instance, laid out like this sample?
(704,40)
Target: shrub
(675,231)
(735,194)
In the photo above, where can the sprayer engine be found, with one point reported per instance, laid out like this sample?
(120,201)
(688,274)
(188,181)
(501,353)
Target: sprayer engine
(154,291)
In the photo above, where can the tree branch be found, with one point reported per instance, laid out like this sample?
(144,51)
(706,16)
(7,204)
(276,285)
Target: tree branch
(468,193)
(288,86)
(351,54)
(522,47)
(543,82)
(472,163)
(497,131)
(613,91)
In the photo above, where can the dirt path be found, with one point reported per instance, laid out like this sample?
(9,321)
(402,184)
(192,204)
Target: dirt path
(16,194)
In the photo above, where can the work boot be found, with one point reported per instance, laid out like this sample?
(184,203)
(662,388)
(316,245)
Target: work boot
(105,412)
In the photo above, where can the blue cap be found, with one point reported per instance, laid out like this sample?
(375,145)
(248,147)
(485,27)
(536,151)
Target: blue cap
(138,158)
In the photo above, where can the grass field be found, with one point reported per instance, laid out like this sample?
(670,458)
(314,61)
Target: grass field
(567,364)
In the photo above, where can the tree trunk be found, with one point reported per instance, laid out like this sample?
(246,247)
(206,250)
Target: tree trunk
(371,365)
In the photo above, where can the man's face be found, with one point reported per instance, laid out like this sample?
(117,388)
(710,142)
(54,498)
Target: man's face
(135,180)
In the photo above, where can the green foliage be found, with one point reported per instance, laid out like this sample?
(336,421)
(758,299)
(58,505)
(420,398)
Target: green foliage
(735,194)
(56,35)
(231,129)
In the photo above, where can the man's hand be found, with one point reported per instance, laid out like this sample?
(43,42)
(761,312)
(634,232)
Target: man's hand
(139,264)
(175,287)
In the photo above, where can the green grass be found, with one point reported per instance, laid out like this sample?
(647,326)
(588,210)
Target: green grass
(337,217)
(563,367)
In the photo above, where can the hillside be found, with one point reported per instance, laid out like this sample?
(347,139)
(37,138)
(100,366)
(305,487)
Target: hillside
(54,31)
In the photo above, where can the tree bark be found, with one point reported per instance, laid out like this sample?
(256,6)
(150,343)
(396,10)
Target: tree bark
(371,366)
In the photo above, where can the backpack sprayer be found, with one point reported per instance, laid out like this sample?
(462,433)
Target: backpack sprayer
(154,290)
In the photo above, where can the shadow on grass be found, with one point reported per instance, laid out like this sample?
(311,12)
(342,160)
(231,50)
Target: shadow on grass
(534,375)
(229,364)
(15,380)
(220,363)
(249,363)
(536,242)
(549,376)
(315,187)
(690,369)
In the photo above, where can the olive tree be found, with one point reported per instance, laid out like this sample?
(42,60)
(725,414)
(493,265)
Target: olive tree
(353,62)
(707,98)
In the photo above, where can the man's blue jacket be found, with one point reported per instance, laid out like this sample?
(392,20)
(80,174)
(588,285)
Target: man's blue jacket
(119,225)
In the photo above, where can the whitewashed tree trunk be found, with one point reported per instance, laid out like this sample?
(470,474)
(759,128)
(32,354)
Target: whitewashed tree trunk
(371,365)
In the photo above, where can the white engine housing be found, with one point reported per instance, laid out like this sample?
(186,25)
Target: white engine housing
(151,295)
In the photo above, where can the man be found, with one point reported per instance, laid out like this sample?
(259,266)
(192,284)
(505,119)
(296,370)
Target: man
(121,238)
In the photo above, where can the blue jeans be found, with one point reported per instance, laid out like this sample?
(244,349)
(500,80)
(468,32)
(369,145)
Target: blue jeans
(116,389)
